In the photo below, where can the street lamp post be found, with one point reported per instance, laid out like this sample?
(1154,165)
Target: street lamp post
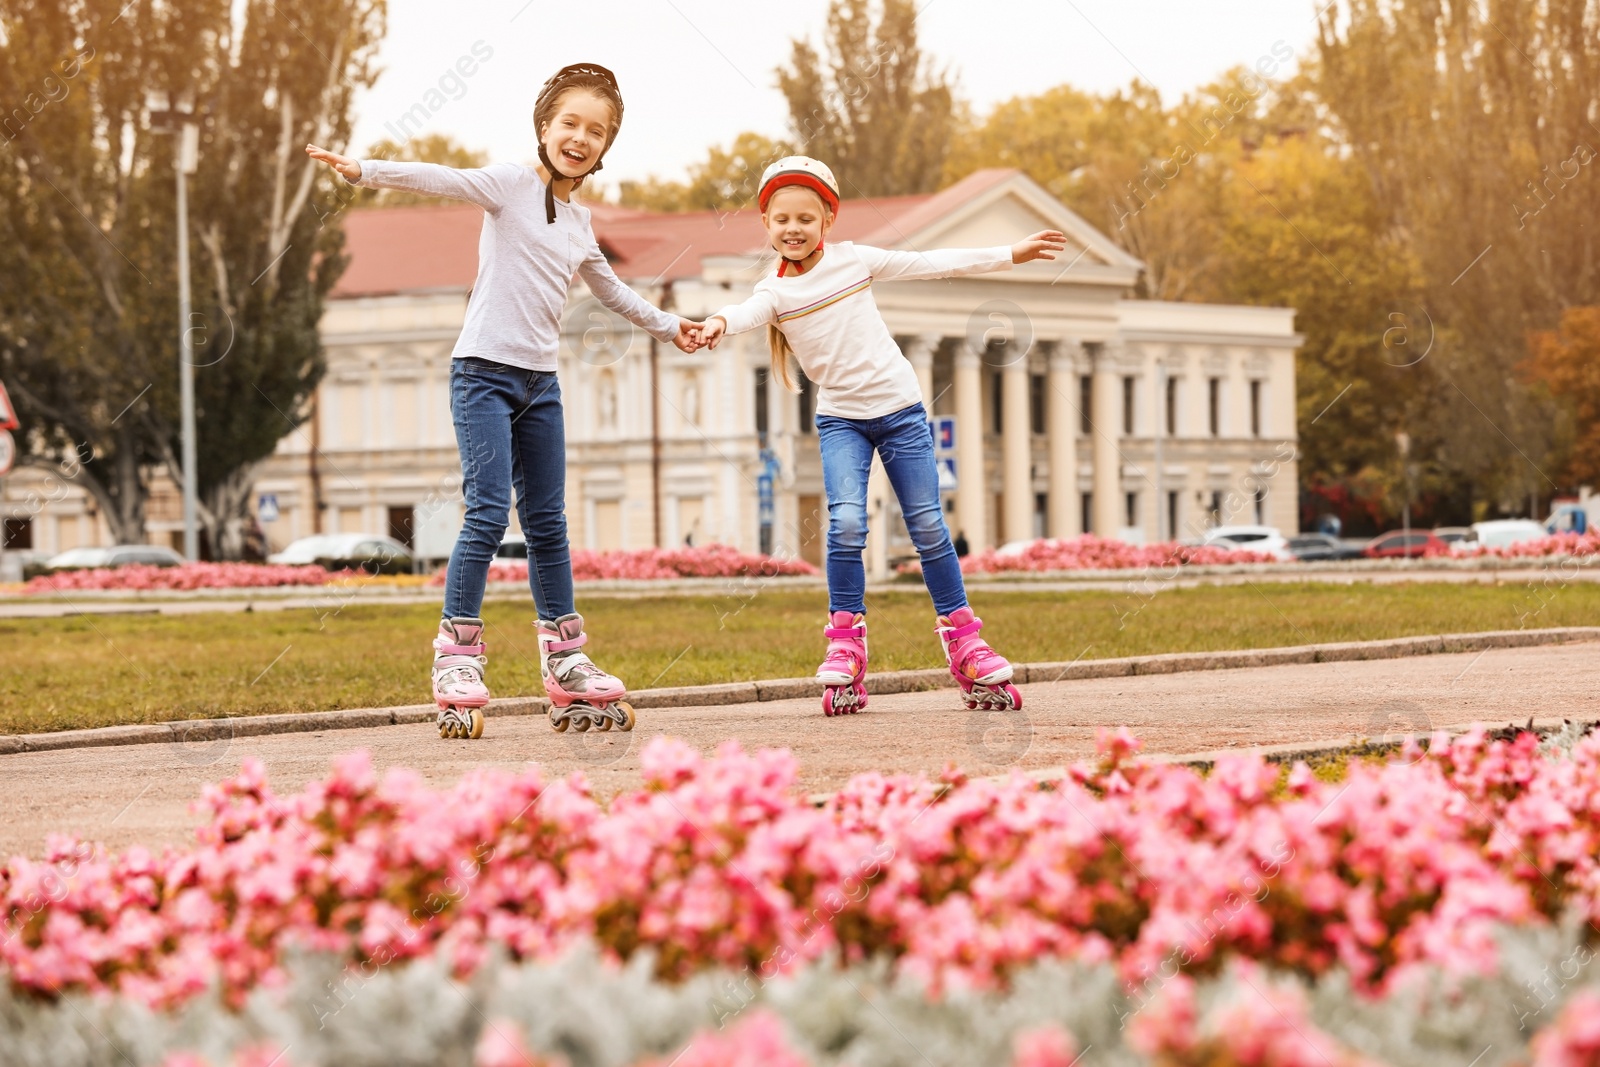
(179,121)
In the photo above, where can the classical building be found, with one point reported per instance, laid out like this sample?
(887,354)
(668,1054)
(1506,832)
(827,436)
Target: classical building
(1062,406)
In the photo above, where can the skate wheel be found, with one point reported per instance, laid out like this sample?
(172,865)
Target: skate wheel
(581,723)
(603,723)
(827,702)
(474,725)
(560,724)
(626,719)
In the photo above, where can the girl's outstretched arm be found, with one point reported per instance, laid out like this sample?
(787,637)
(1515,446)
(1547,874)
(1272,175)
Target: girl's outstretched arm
(486,186)
(883,263)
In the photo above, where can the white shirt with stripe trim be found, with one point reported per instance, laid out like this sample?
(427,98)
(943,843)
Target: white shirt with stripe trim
(833,324)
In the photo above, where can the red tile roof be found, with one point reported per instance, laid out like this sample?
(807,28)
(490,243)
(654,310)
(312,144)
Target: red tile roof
(421,247)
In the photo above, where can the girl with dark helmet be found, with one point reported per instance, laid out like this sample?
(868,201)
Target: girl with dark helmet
(505,399)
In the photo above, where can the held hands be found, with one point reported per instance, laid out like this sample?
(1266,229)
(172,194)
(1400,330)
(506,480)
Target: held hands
(688,338)
(711,331)
(349,169)
(1040,246)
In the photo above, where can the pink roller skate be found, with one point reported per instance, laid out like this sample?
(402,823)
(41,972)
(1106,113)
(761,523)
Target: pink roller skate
(458,663)
(581,694)
(984,674)
(845,665)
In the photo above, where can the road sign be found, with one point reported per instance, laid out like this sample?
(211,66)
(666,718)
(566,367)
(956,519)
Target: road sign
(944,433)
(8,414)
(947,474)
(267,507)
(8,451)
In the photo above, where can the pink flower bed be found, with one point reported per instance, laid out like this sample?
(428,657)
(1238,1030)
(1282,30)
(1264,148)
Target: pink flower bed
(1097,553)
(650,564)
(142,578)
(1566,544)
(723,862)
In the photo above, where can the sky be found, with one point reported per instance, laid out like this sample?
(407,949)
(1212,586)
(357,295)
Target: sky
(697,72)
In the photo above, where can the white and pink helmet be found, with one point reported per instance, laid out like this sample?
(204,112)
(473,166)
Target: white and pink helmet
(804,171)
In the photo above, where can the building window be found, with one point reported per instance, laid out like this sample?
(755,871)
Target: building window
(1214,512)
(997,410)
(1036,395)
(1085,406)
(1214,405)
(1261,506)
(1041,508)
(1127,407)
(808,404)
(402,522)
(19,533)
(1172,407)
(1255,409)
(1086,516)
(1172,515)
(1133,509)
(762,425)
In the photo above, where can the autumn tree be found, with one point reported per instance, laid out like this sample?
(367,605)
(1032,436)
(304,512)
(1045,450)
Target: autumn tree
(1473,122)
(88,308)
(871,105)
(727,180)
(1566,361)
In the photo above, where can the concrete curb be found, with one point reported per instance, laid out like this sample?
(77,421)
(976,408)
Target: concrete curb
(192,731)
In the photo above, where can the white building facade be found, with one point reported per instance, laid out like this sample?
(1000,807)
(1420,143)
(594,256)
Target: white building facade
(1074,408)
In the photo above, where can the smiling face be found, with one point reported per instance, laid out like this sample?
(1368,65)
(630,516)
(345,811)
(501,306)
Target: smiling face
(796,221)
(575,136)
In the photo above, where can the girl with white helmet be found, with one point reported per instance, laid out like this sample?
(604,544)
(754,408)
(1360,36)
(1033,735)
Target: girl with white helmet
(818,307)
(505,399)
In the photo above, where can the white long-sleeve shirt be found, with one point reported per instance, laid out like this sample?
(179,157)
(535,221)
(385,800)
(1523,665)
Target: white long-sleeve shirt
(525,263)
(833,324)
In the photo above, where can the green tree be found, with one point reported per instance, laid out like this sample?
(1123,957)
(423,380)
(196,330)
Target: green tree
(728,179)
(874,107)
(88,323)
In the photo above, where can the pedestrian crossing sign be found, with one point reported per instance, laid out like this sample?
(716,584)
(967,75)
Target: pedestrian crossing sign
(8,414)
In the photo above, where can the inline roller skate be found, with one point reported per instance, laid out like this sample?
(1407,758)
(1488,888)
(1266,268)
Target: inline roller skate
(983,674)
(845,665)
(458,663)
(581,694)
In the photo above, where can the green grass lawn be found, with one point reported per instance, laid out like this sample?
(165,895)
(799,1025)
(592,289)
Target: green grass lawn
(58,674)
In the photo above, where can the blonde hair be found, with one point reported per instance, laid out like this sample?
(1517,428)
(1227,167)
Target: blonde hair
(782,359)
(782,354)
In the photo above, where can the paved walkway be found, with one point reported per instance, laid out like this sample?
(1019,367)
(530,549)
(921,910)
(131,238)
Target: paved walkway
(141,793)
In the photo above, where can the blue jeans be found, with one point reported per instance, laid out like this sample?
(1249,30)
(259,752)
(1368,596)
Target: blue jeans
(510,431)
(905,441)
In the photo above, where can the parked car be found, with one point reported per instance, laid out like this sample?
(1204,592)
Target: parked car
(515,546)
(1451,535)
(1314,547)
(372,553)
(81,559)
(1404,544)
(1264,539)
(1502,533)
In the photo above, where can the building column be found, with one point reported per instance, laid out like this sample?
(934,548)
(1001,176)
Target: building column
(877,522)
(1016,432)
(919,350)
(970,505)
(1062,413)
(1106,423)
